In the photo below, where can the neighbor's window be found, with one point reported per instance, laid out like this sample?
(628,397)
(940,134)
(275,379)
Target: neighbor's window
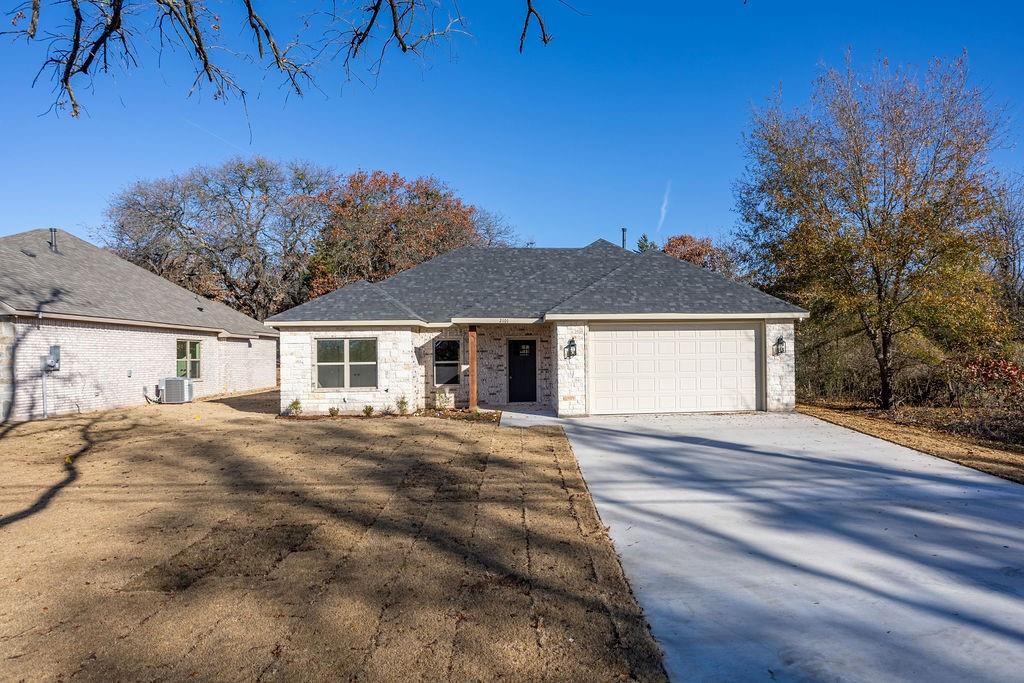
(188,359)
(446,361)
(346,363)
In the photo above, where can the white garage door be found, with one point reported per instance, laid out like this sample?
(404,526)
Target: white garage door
(672,368)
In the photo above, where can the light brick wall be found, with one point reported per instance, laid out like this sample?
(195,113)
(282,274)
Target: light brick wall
(405,366)
(780,370)
(398,371)
(105,366)
(492,359)
(571,376)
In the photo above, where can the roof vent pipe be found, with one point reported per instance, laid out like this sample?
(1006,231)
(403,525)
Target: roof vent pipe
(53,240)
(623,238)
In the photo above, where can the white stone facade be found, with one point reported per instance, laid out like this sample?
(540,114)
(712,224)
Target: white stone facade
(398,373)
(405,367)
(571,378)
(780,370)
(106,366)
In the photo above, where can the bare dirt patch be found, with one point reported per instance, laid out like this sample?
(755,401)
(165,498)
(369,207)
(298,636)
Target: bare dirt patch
(913,430)
(214,541)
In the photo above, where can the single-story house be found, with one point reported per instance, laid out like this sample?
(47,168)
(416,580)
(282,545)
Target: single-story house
(594,330)
(118,330)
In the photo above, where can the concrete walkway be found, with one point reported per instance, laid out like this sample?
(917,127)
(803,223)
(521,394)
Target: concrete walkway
(780,547)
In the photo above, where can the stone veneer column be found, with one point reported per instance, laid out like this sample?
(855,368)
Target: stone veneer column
(571,374)
(780,370)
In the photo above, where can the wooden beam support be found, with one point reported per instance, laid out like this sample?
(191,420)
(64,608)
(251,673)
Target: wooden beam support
(472,368)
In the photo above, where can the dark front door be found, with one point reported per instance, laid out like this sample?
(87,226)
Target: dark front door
(522,370)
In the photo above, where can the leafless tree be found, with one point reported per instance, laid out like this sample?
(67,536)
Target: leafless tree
(239,233)
(87,37)
(495,231)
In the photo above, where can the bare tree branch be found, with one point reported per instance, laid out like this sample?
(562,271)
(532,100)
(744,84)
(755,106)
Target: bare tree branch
(81,33)
(531,14)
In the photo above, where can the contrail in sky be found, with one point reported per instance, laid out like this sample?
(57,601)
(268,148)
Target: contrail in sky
(664,204)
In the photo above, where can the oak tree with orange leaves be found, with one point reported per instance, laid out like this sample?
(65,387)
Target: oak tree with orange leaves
(700,251)
(381,223)
(869,208)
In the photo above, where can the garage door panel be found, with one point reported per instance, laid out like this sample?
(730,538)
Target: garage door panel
(674,368)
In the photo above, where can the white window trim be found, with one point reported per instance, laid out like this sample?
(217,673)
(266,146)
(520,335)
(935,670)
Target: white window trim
(188,360)
(346,364)
(457,362)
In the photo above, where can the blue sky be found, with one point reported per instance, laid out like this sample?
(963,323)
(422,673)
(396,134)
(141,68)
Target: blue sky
(570,141)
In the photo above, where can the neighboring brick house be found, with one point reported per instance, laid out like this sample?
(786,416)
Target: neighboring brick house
(120,329)
(577,331)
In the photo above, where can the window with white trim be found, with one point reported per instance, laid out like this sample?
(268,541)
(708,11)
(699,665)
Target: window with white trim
(446,362)
(188,359)
(346,363)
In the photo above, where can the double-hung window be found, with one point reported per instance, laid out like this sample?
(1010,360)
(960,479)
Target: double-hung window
(188,361)
(346,363)
(446,362)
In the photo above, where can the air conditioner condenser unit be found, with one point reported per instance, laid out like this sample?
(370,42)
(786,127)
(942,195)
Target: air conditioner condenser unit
(176,390)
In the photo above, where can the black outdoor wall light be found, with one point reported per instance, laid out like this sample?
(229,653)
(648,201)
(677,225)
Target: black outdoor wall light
(779,347)
(570,348)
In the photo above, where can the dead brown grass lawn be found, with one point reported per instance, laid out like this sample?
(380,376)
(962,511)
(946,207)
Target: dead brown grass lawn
(212,541)
(998,459)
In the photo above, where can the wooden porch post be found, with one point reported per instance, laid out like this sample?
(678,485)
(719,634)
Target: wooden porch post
(472,368)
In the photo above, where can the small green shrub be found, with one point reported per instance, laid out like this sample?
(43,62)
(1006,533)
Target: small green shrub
(403,406)
(368,411)
(295,407)
(387,410)
(333,411)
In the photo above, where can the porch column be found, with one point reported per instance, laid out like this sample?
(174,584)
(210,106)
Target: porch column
(472,368)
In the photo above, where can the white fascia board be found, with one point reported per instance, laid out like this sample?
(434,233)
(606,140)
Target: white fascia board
(132,323)
(4,308)
(352,323)
(496,321)
(677,316)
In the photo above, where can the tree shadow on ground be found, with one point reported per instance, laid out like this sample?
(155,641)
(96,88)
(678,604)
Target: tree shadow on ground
(262,403)
(919,536)
(378,549)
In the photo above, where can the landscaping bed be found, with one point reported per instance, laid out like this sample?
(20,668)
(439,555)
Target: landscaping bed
(214,541)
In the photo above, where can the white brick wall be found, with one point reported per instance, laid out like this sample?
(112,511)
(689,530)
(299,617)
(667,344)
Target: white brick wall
(405,358)
(571,375)
(405,367)
(492,359)
(780,371)
(398,372)
(105,366)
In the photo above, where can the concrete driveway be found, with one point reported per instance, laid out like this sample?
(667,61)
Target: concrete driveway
(780,547)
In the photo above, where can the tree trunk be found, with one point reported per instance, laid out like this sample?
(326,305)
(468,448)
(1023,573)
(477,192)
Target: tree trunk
(884,358)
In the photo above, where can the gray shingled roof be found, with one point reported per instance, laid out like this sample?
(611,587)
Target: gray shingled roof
(480,282)
(82,279)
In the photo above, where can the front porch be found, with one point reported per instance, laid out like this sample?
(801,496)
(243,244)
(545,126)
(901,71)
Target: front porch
(501,366)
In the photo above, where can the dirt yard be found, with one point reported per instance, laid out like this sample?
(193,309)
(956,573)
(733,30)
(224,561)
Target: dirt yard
(914,430)
(214,542)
